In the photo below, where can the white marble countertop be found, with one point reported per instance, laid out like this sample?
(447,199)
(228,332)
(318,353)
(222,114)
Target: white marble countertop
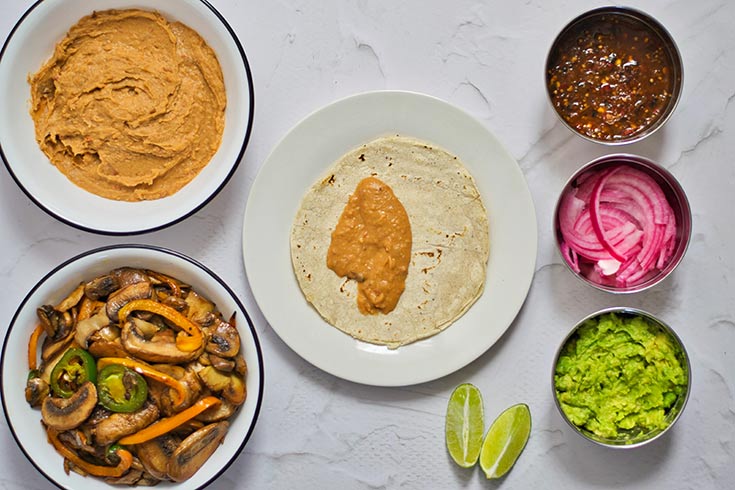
(317,431)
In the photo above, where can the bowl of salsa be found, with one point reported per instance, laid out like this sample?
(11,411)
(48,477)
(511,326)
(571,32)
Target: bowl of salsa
(614,75)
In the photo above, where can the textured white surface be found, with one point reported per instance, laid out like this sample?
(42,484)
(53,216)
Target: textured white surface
(316,431)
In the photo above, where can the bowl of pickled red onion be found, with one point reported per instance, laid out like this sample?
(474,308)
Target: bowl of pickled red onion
(622,223)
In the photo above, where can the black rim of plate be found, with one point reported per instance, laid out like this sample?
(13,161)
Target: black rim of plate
(162,250)
(235,165)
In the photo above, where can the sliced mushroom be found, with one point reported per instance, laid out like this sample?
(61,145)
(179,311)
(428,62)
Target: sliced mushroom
(77,440)
(118,425)
(48,365)
(193,385)
(128,275)
(109,332)
(174,286)
(156,453)
(222,364)
(36,391)
(107,348)
(200,309)
(175,302)
(106,343)
(195,450)
(161,347)
(89,326)
(188,428)
(131,478)
(241,366)
(165,397)
(149,329)
(51,348)
(148,480)
(69,413)
(162,395)
(224,341)
(69,466)
(123,296)
(57,324)
(213,379)
(103,286)
(230,386)
(99,414)
(72,300)
(223,411)
(235,391)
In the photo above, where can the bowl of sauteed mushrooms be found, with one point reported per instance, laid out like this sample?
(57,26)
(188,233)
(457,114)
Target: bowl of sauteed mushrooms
(131,365)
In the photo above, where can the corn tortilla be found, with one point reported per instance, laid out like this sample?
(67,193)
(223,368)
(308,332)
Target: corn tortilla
(450,240)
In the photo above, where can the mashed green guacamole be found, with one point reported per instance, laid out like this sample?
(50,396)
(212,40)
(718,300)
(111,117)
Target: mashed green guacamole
(619,376)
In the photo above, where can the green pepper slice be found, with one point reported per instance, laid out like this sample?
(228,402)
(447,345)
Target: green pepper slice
(75,368)
(121,389)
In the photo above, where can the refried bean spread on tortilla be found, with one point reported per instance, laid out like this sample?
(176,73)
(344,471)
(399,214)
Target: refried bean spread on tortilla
(349,239)
(130,106)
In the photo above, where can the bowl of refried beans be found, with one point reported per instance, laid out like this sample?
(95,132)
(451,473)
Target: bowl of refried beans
(123,117)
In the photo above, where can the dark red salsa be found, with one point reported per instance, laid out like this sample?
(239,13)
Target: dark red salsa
(610,77)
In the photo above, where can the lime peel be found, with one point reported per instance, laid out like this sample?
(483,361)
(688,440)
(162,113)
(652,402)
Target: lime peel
(464,425)
(505,440)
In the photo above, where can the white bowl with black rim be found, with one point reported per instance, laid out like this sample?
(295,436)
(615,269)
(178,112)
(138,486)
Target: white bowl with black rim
(24,422)
(31,43)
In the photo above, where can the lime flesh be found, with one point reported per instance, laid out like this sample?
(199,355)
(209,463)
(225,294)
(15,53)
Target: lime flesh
(465,425)
(505,441)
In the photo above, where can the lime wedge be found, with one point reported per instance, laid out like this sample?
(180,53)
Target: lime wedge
(505,441)
(465,425)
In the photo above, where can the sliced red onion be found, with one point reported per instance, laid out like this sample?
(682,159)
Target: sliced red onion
(616,226)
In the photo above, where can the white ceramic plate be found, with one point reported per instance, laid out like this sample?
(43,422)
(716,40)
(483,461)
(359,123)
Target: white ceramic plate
(305,154)
(32,42)
(25,422)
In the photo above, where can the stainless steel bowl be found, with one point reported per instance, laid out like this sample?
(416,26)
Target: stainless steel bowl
(676,197)
(673,414)
(639,18)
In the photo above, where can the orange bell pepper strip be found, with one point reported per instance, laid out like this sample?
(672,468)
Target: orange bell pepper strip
(186,343)
(33,347)
(86,308)
(148,372)
(172,283)
(126,459)
(166,425)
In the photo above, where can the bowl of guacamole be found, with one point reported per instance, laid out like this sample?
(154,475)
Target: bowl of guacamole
(621,377)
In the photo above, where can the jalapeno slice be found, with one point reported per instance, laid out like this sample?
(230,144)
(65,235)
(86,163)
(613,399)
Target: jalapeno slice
(121,389)
(75,368)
